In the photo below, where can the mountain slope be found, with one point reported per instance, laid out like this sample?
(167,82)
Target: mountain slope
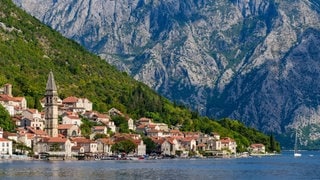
(256,61)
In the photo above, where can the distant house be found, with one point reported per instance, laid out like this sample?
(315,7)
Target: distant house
(176,133)
(32,118)
(30,136)
(55,146)
(213,145)
(154,133)
(144,121)
(110,125)
(188,144)
(169,146)
(77,104)
(103,118)
(14,105)
(257,149)
(99,129)
(229,144)
(115,112)
(5,144)
(104,146)
(69,130)
(71,119)
(141,149)
(88,145)
(131,125)
(10,136)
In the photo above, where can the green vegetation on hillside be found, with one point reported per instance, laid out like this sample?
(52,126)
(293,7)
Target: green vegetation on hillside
(29,50)
(5,120)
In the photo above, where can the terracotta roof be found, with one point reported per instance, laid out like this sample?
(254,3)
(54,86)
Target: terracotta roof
(36,131)
(158,140)
(256,145)
(5,97)
(54,140)
(65,126)
(6,134)
(97,128)
(102,115)
(187,139)
(154,131)
(175,131)
(81,140)
(30,135)
(106,141)
(226,140)
(18,99)
(70,99)
(3,140)
(137,141)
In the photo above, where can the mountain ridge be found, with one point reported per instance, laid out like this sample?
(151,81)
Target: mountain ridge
(238,59)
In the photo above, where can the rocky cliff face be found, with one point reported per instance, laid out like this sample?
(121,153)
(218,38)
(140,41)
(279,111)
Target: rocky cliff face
(253,60)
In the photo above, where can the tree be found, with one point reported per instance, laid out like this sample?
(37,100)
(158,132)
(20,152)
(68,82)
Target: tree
(125,146)
(150,145)
(5,120)
(122,123)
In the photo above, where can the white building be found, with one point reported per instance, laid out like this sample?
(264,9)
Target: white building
(5,145)
(77,104)
(71,119)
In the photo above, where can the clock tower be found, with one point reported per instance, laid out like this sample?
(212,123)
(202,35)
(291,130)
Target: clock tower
(51,107)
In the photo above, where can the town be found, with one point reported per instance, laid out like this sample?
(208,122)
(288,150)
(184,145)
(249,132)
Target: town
(55,133)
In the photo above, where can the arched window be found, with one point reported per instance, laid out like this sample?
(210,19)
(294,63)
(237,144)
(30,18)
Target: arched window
(74,133)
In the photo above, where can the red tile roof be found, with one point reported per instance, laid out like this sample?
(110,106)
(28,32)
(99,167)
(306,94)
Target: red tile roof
(256,145)
(3,140)
(70,99)
(54,140)
(106,141)
(99,128)
(65,126)
(81,140)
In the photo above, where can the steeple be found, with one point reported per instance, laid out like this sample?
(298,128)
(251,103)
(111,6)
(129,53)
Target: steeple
(51,107)
(51,85)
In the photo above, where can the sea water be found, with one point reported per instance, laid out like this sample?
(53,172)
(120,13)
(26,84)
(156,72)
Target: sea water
(283,166)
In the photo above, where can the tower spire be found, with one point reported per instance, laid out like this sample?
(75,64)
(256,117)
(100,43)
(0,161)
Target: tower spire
(51,85)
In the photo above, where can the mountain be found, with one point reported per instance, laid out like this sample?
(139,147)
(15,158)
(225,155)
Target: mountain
(29,50)
(252,60)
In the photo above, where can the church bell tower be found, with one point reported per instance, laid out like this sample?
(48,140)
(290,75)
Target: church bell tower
(51,107)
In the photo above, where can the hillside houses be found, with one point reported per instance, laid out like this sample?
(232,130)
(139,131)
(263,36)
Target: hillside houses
(57,130)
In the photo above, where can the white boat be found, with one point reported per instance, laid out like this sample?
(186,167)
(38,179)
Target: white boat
(296,153)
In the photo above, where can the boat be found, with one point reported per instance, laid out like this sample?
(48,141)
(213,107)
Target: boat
(296,153)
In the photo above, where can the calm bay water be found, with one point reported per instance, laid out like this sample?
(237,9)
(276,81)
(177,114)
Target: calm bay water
(283,166)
